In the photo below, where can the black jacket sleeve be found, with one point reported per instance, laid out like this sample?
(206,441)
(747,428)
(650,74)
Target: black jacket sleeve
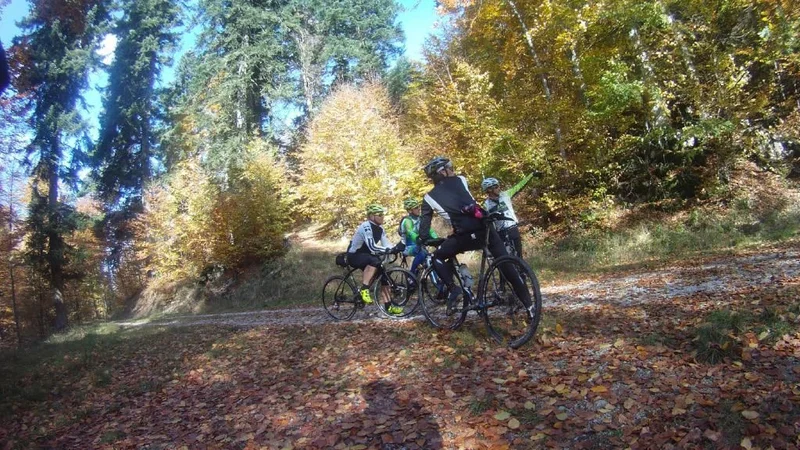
(426,215)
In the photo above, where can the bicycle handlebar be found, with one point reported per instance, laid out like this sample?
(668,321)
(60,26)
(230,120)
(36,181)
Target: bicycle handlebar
(496,217)
(433,242)
(389,257)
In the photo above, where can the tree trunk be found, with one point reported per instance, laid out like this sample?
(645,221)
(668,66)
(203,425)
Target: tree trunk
(14,308)
(542,76)
(42,331)
(14,303)
(648,75)
(55,253)
(576,71)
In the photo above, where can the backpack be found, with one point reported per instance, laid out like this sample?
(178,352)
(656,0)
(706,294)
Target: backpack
(400,230)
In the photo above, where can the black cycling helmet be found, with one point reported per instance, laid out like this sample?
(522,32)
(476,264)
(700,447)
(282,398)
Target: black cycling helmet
(435,165)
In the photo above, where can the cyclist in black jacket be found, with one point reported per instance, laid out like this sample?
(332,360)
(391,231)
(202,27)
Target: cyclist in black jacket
(451,199)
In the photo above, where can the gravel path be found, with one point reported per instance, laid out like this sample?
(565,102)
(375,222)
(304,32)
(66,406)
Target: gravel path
(729,274)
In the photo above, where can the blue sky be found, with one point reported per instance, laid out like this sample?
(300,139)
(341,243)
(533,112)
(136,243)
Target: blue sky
(417,22)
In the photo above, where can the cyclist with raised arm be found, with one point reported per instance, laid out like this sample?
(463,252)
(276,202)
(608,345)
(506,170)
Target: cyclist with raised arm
(409,231)
(500,201)
(451,199)
(368,242)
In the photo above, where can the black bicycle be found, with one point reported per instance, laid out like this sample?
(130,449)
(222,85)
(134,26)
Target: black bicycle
(510,320)
(394,286)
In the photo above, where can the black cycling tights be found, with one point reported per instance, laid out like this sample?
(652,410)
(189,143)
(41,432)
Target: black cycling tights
(460,243)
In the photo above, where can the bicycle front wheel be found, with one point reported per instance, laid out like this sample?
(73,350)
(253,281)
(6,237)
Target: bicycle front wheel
(433,294)
(513,301)
(339,296)
(396,289)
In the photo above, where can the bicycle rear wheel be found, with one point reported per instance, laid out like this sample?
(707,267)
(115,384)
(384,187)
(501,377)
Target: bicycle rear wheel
(511,316)
(402,292)
(339,297)
(433,295)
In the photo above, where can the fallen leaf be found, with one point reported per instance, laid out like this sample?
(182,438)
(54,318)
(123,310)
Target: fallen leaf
(750,414)
(513,424)
(502,415)
(712,435)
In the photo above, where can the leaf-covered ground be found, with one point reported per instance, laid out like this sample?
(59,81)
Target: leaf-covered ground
(609,374)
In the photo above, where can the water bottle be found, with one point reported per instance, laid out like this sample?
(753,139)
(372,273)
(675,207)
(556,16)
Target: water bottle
(466,277)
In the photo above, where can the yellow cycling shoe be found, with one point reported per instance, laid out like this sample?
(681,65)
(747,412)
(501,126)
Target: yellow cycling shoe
(394,310)
(365,297)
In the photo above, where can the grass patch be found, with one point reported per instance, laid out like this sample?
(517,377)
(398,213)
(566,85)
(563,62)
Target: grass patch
(109,437)
(31,377)
(102,377)
(294,280)
(656,339)
(714,344)
(479,406)
(773,324)
(730,423)
(81,332)
(717,338)
(588,251)
(526,416)
(464,342)
(728,320)
(724,333)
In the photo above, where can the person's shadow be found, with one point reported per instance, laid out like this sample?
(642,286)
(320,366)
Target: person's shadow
(391,421)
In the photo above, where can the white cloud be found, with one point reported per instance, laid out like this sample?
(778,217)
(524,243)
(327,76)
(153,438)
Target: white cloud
(107,48)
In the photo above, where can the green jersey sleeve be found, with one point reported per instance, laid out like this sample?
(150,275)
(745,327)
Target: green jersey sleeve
(411,234)
(518,187)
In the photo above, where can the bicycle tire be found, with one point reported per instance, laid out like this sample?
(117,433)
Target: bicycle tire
(509,319)
(402,292)
(339,297)
(435,309)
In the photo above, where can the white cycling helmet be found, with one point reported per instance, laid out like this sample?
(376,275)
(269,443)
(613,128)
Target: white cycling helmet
(489,183)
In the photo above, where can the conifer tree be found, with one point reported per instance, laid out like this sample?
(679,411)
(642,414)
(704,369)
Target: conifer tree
(127,142)
(53,59)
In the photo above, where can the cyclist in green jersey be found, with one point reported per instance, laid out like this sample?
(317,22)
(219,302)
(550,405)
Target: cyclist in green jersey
(409,231)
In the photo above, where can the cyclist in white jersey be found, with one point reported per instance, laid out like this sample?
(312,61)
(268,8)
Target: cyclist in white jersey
(368,242)
(500,201)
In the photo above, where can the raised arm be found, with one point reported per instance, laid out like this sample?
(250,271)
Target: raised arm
(518,187)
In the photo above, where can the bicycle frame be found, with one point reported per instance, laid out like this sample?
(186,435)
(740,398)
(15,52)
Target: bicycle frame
(476,302)
(383,286)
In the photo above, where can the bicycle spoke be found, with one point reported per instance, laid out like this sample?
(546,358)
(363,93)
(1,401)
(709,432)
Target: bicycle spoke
(513,301)
(398,293)
(434,295)
(339,297)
